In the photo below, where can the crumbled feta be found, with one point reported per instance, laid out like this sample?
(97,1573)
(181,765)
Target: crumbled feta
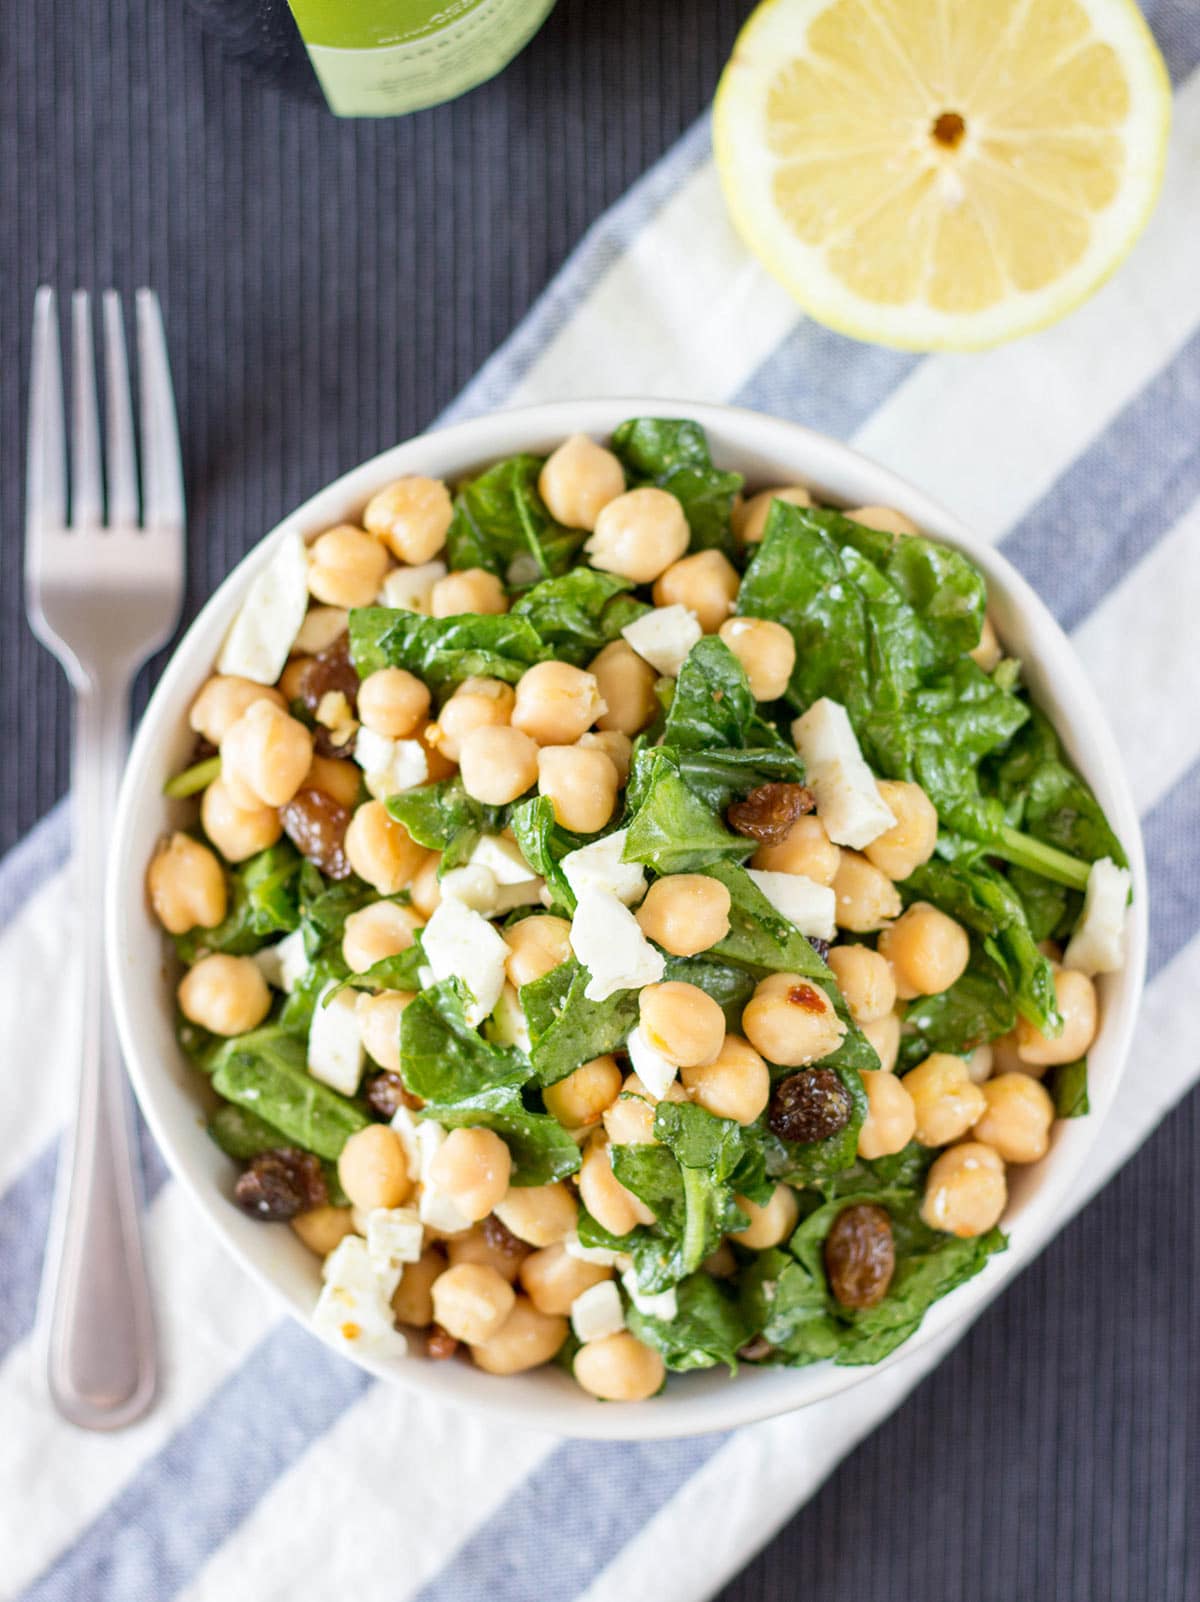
(394,1237)
(598,1312)
(1098,943)
(605,1256)
(284,964)
(322,625)
(354,1307)
(502,857)
(262,634)
(408,589)
(335,1048)
(812,907)
(508,1025)
(649,1064)
(406,1126)
(390,766)
(662,1305)
(848,800)
(664,636)
(460,944)
(608,941)
(477,886)
(422,1139)
(599,867)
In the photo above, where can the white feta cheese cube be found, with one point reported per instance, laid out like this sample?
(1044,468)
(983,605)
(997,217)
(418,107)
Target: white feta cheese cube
(394,1237)
(608,941)
(408,1127)
(503,857)
(354,1308)
(335,1048)
(597,1312)
(662,1305)
(848,800)
(1098,943)
(598,866)
(408,589)
(605,1256)
(460,944)
(649,1064)
(390,766)
(293,960)
(663,637)
(268,964)
(477,887)
(261,635)
(322,625)
(812,907)
(422,1140)
(508,1025)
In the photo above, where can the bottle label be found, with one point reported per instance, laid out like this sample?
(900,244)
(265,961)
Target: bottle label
(382,58)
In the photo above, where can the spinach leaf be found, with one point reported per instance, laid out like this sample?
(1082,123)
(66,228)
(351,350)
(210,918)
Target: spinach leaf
(263,901)
(579,613)
(443,1059)
(730,1153)
(567,1029)
(500,520)
(692,1211)
(1045,797)
(673,453)
(400,972)
(242,1135)
(544,843)
(782,1302)
(443,817)
(444,650)
(1069,1089)
(541,1149)
(672,830)
(266,1072)
(325,905)
(977,1007)
(709,1326)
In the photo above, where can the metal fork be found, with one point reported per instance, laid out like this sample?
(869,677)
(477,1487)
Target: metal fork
(102,594)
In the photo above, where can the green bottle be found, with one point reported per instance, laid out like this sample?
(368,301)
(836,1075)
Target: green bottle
(382,58)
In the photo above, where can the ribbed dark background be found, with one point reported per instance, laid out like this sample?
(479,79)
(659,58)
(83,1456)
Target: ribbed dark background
(328,287)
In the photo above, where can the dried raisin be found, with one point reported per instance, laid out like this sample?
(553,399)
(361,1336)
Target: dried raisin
(440,1344)
(860,1255)
(810,1105)
(316,825)
(386,1095)
(280,1183)
(768,813)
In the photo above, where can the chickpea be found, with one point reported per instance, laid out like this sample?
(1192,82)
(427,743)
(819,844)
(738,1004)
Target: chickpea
(1077,1003)
(750,518)
(618,1368)
(379,1025)
(766,651)
(321,1228)
(988,652)
(965,1190)
(535,946)
(891,1119)
(425,889)
(471,1301)
(335,777)
(685,913)
(473,589)
(346,567)
(866,898)
(736,1084)
(902,849)
(225,995)
(556,703)
(626,684)
(474,1247)
(412,517)
(945,1100)
(538,1214)
(476,704)
(579,1100)
(612,1206)
(373,1170)
(186,885)
(441,764)
(384,929)
(578,480)
(498,765)
(1007,1060)
(412,1302)
(237,832)
(1018,1118)
(885,519)
(525,1340)
(928,951)
(629,1121)
(380,850)
(291,680)
(552,1279)
(581,784)
(392,702)
(771,1223)
(638,535)
(791,1021)
(472,1168)
(267,753)
(883,1034)
(806,849)
(682,1022)
(617,747)
(865,979)
(223,700)
(706,583)
(321,627)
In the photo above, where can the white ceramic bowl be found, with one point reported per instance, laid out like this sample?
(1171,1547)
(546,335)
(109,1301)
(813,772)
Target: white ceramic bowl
(767,451)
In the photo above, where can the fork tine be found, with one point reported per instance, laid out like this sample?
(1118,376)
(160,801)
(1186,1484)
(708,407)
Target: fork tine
(87,487)
(46,474)
(120,460)
(162,470)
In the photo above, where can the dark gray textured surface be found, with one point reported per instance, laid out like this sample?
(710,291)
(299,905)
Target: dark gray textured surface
(328,288)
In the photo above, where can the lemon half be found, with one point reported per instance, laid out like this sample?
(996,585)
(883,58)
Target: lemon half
(942,174)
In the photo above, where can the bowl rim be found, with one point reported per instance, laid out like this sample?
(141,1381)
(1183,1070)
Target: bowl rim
(842,475)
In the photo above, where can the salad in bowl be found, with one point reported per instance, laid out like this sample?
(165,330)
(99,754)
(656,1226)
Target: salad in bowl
(629,916)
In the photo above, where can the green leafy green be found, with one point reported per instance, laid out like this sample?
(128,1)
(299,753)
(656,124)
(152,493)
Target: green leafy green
(266,1072)
(580,612)
(541,1149)
(567,1029)
(443,1058)
(1043,796)
(977,1007)
(673,454)
(544,843)
(673,830)
(709,1326)
(443,817)
(444,650)
(500,519)
(263,902)
(242,1134)
(193,779)
(781,1301)
(1069,1089)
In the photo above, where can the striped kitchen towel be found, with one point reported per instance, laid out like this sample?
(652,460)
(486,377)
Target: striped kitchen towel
(271,1468)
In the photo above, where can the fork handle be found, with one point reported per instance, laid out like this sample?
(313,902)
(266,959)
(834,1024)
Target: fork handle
(101,1335)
